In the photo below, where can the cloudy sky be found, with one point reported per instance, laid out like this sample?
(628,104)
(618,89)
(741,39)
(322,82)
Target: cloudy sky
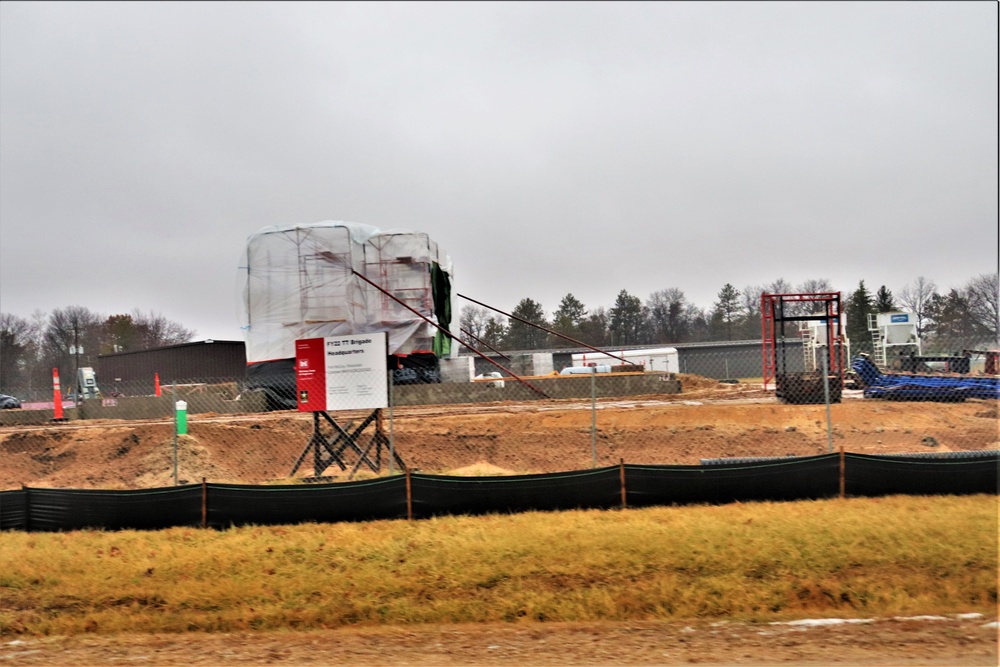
(548,147)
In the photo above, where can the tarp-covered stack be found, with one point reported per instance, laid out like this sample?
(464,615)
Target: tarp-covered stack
(300,282)
(922,387)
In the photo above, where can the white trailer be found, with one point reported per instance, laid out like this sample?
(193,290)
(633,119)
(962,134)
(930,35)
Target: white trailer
(655,359)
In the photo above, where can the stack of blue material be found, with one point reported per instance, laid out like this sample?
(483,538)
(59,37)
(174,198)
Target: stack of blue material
(923,387)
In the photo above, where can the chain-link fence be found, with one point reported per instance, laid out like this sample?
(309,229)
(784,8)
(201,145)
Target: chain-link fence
(140,435)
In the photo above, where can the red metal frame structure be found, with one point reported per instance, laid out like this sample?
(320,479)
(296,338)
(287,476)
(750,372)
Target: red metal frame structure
(774,316)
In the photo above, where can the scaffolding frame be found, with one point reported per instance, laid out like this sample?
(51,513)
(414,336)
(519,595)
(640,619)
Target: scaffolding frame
(774,315)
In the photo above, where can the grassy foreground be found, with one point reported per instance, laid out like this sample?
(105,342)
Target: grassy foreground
(767,561)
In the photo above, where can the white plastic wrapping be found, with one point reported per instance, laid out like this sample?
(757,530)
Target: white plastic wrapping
(299,283)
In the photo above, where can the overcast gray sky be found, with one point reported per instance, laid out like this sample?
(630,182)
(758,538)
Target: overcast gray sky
(548,147)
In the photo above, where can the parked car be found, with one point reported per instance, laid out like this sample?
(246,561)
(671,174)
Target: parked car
(8,402)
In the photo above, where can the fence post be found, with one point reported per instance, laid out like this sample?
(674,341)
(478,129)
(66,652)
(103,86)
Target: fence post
(621,475)
(392,441)
(826,399)
(173,405)
(204,503)
(409,496)
(593,416)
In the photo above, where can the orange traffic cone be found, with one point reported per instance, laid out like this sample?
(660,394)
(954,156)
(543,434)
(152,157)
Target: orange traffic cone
(57,395)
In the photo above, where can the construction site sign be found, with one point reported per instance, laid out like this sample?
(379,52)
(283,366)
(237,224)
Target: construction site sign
(342,373)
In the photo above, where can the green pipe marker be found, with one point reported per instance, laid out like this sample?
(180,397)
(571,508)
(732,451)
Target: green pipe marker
(182,418)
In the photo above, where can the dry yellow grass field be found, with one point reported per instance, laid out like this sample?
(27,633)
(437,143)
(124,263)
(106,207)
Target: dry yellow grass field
(750,562)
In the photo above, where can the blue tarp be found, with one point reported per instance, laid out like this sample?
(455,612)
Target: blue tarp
(923,387)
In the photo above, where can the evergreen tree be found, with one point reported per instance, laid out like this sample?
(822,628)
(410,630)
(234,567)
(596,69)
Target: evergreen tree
(594,329)
(568,318)
(120,334)
(521,336)
(628,320)
(727,310)
(858,307)
(954,326)
(884,303)
(495,333)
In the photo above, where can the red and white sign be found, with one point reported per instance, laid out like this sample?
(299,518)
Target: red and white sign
(342,373)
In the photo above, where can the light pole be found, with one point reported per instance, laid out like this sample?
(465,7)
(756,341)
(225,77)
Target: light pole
(76,369)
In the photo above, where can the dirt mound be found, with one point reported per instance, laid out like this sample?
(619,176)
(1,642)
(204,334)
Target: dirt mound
(690,382)
(481,469)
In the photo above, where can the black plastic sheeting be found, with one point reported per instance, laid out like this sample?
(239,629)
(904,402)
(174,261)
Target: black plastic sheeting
(225,505)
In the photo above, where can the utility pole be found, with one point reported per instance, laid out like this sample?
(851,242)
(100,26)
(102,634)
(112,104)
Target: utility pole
(76,359)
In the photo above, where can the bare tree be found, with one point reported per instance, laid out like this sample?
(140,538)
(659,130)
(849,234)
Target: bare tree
(155,330)
(72,340)
(39,376)
(15,349)
(474,320)
(779,286)
(915,298)
(668,315)
(750,300)
(814,285)
(983,296)
(810,286)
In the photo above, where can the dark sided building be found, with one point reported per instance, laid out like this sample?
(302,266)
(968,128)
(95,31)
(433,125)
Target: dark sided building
(714,359)
(203,361)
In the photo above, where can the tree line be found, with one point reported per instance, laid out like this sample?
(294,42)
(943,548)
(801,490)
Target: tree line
(72,337)
(959,318)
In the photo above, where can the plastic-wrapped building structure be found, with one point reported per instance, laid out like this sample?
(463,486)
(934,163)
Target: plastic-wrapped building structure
(301,281)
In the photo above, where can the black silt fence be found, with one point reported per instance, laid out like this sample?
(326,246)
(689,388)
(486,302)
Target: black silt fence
(14,510)
(75,509)
(421,496)
(793,479)
(589,489)
(867,475)
(369,500)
